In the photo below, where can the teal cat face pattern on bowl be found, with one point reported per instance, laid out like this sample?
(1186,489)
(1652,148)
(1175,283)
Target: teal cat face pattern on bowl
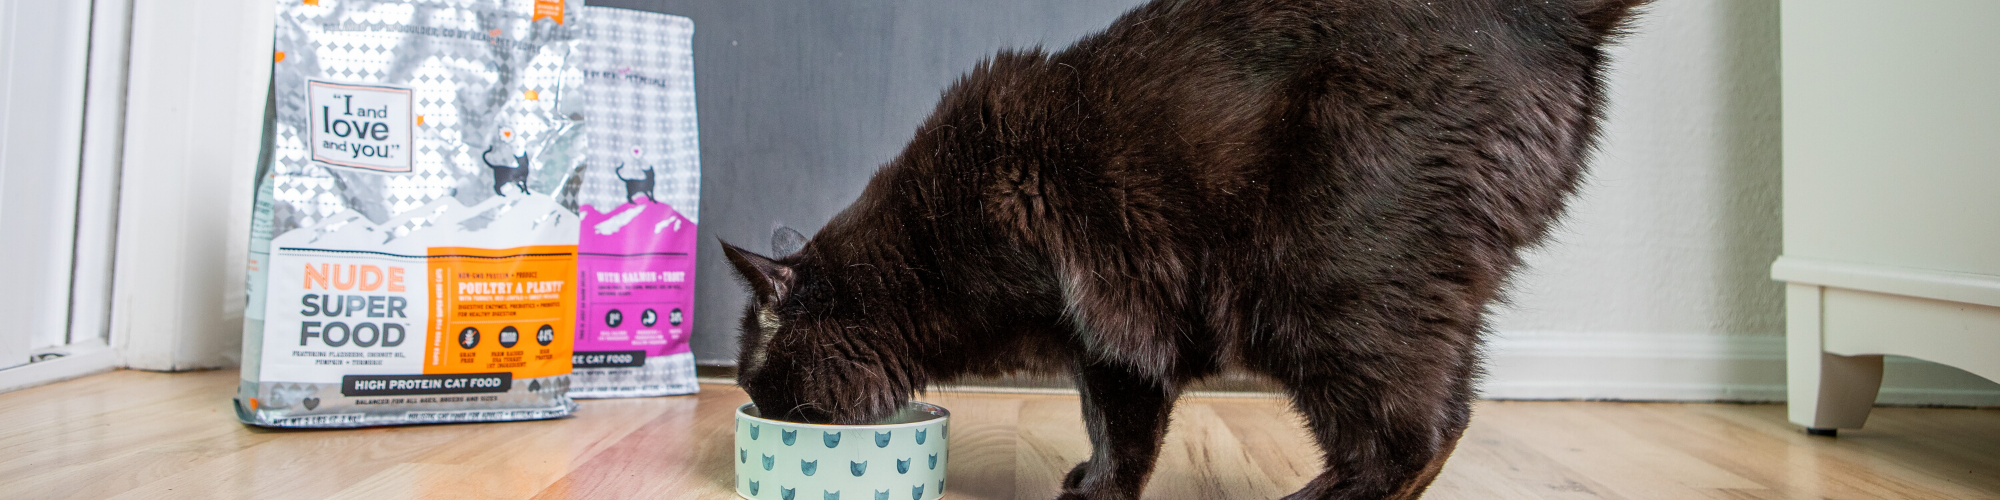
(902,458)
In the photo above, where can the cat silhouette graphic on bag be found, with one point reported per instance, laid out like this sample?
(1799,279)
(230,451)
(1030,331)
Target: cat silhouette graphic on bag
(509,167)
(637,187)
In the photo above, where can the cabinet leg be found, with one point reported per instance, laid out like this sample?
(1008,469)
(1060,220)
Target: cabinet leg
(1826,391)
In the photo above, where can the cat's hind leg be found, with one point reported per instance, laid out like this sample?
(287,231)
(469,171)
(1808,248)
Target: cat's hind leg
(1385,423)
(1127,415)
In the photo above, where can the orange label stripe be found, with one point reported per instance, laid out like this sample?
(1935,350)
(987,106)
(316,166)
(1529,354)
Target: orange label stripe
(501,310)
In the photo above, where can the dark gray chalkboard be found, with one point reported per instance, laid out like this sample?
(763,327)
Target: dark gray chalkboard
(800,101)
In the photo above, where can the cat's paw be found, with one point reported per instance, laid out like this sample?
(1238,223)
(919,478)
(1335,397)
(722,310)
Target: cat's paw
(1075,477)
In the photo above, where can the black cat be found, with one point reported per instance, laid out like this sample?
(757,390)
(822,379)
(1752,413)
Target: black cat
(504,174)
(636,187)
(1325,192)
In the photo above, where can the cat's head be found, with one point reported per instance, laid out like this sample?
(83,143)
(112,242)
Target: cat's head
(819,342)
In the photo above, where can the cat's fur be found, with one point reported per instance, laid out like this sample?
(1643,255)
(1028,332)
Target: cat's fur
(1325,192)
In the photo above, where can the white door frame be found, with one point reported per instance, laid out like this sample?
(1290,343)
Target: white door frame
(64,78)
(166,126)
(194,122)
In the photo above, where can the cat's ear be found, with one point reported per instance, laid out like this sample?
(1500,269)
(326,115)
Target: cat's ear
(767,277)
(786,241)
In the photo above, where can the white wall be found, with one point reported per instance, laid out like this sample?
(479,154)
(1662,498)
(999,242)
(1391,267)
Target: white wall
(198,75)
(1658,285)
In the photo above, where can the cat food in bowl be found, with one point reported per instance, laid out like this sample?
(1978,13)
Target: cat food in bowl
(899,458)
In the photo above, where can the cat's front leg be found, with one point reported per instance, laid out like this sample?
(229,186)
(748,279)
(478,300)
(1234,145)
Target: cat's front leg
(1127,417)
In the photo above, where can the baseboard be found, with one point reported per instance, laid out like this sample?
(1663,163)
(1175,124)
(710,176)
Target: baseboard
(1691,367)
(81,360)
(1604,366)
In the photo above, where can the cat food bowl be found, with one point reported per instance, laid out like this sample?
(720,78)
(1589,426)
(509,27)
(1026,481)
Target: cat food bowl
(900,458)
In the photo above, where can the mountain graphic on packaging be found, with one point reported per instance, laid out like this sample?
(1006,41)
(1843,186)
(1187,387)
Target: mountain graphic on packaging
(644,226)
(510,218)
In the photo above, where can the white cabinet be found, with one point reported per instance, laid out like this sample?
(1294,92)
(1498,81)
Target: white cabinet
(1891,197)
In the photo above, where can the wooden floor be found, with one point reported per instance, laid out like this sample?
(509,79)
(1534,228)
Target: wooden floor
(150,435)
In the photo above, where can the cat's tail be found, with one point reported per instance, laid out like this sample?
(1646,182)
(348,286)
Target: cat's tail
(1606,20)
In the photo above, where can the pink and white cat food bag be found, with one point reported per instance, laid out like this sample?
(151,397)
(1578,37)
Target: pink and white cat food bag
(638,196)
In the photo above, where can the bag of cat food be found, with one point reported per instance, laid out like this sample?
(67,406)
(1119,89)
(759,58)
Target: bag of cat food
(409,261)
(638,195)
